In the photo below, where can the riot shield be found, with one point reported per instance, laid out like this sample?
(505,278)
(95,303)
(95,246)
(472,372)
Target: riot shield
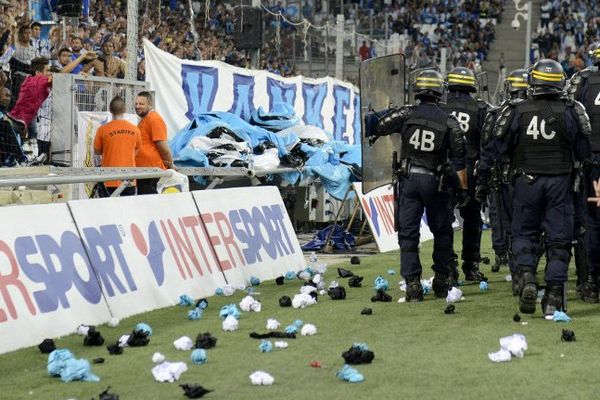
(381,88)
(483,87)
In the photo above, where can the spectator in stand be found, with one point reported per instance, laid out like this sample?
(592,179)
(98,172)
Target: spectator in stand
(114,67)
(364,51)
(4,99)
(42,45)
(155,151)
(118,142)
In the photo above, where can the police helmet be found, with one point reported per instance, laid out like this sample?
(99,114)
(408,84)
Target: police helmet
(516,82)
(463,79)
(594,53)
(546,77)
(429,83)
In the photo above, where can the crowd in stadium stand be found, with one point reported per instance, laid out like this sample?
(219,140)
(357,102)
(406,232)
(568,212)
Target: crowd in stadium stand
(566,30)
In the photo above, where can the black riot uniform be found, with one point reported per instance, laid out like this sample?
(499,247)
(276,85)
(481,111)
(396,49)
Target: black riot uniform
(543,136)
(496,173)
(470,113)
(585,88)
(432,143)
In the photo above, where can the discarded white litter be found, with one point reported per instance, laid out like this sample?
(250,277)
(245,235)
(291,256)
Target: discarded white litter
(510,346)
(249,303)
(168,371)
(83,330)
(123,341)
(230,323)
(281,345)
(183,343)
(307,289)
(402,300)
(273,324)
(454,295)
(308,330)
(157,358)
(114,322)
(261,378)
(508,278)
(303,300)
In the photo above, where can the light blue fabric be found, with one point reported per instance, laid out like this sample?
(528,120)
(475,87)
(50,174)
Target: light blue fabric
(56,361)
(185,300)
(280,117)
(291,329)
(198,356)
(381,283)
(349,374)
(219,291)
(195,314)
(391,272)
(61,362)
(265,346)
(254,281)
(202,304)
(361,345)
(560,316)
(298,323)
(144,328)
(483,286)
(230,309)
(290,275)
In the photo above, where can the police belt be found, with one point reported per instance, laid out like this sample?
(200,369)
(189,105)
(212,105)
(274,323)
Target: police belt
(421,171)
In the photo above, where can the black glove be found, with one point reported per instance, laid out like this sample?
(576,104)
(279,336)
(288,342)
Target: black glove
(463,198)
(372,140)
(481,193)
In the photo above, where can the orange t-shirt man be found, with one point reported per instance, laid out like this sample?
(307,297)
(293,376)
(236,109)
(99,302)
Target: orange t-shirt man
(118,142)
(153,129)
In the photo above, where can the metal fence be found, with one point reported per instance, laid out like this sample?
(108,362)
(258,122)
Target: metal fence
(74,93)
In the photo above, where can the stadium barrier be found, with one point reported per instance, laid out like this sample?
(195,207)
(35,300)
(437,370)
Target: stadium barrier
(86,261)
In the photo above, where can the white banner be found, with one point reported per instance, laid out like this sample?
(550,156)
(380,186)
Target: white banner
(88,123)
(251,232)
(47,286)
(148,250)
(378,206)
(186,88)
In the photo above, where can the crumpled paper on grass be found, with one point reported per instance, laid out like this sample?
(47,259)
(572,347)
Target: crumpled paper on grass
(183,343)
(349,374)
(61,362)
(230,324)
(185,300)
(168,371)
(308,330)
(198,356)
(281,345)
(559,316)
(265,346)
(381,283)
(143,327)
(195,314)
(272,324)
(261,378)
(303,300)
(454,295)
(229,310)
(249,303)
(514,345)
(158,358)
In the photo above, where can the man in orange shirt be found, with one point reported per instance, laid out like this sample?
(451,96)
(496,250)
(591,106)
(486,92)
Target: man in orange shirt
(118,142)
(155,150)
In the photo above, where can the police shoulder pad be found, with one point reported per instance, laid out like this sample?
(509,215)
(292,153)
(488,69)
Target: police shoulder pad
(515,102)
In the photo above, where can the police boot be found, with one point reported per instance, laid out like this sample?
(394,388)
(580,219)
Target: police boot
(440,285)
(517,283)
(589,290)
(454,269)
(472,272)
(501,260)
(414,290)
(553,299)
(528,295)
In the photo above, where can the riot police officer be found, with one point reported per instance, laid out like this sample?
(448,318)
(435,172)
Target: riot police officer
(500,205)
(432,143)
(471,115)
(585,88)
(543,137)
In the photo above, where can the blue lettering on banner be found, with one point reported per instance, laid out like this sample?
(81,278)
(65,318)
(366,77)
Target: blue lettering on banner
(261,228)
(243,96)
(374,216)
(341,96)
(153,252)
(99,243)
(314,97)
(200,85)
(356,125)
(56,278)
(280,92)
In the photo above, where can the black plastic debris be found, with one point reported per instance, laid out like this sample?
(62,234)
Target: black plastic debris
(105,395)
(485,260)
(114,349)
(450,309)
(337,293)
(356,355)
(98,360)
(47,346)
(517,317)
(567,336)
(193,391)
(382,296)
(285,301)
(138,338)
(205,341)
(279,280)
(202,304)
(273,334)
(354,260)
(93,338)
(344,273)
(355,281)
(366,311)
